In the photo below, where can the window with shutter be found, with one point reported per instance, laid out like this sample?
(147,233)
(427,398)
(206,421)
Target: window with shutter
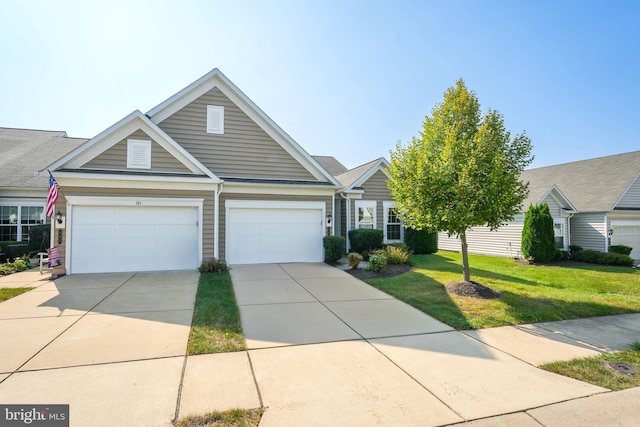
(138,154)
(215,119)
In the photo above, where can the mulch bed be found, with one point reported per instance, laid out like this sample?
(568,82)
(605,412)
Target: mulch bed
(390,271)
(472,289)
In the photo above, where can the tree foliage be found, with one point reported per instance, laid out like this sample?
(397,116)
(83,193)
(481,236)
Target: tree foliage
(538,239)
(462,171)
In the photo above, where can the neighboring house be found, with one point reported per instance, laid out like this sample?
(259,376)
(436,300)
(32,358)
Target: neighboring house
(595,203)
(204,174)
(364,200)
(23,192)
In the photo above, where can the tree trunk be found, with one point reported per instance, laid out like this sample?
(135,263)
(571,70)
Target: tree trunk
(465,257)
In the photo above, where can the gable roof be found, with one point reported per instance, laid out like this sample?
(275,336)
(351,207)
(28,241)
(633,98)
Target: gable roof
(357,176)
(593,185)
(331,164)
(25,152)
(120,130)
(538,194)
(215,79)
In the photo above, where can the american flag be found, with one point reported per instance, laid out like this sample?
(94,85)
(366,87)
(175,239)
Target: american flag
(52,196)
(54,257)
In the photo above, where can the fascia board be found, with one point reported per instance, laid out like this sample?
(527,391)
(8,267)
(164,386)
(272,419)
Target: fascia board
(633,181)
(554,189)
(215,78)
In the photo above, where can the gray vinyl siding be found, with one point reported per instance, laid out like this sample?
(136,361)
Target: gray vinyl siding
(631,198)
(244,150)
(207,211)
(504,242)
(270,197)
(589,230)
(375,188)
(554,207)
(115,158)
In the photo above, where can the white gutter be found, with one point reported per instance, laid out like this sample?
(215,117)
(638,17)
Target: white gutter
(606,234)
(216,220)
(569,230)
(333,214)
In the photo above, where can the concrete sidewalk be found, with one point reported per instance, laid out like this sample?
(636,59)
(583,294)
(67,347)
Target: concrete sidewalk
(324,349)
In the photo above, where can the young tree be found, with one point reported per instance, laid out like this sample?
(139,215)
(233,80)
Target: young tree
(538,239)
(463,170)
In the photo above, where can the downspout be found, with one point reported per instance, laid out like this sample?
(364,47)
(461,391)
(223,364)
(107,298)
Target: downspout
(216,220)
(348,221)
(333,214)
(606,233)
(569,229)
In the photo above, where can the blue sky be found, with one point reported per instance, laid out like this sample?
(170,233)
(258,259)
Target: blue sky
(343,78)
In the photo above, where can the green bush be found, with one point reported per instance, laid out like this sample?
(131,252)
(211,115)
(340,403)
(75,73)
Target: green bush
(421,242)
(212,265)
(4,249)
(538,240)
(573,250)
(334,248)
(354,259)
(365,240)
(13,267)
(561,255)
(620,249)
(377,262)
(39,238)
(605,258)
(402,246)
(394,255)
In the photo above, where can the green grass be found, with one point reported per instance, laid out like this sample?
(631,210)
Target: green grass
(6,293)
(594,371)
(231,418)
(530,293)
(216,326)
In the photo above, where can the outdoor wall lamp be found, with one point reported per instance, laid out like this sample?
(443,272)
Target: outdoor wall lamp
(610,232)
(328,220)
(59,217)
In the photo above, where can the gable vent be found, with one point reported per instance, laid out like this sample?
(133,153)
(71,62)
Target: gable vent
(215,119)
(138,154)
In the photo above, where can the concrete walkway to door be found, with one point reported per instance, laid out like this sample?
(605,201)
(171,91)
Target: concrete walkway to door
(328,349)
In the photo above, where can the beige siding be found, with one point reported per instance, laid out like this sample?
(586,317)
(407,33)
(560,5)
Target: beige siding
(375,188)
(116,157)
(631,198)
(503,242)
(589,230)
(271,197)
(207,214)
(244,150)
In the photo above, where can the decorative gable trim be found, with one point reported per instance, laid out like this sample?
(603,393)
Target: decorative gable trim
(562,200)
(379,165)
(121,130)
(632,186)
(215,79)
(138,154)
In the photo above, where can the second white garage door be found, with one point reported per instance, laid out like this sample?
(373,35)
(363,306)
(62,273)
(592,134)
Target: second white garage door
(133,238)
(269,232)
(627,233)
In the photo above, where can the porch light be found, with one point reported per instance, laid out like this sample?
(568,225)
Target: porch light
(610,232)
(328,220)
(59,217)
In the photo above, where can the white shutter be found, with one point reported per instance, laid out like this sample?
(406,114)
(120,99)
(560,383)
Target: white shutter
(215,119)
(138,154)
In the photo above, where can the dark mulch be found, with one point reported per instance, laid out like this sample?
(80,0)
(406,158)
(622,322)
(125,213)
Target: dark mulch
(472,289)
(389,271)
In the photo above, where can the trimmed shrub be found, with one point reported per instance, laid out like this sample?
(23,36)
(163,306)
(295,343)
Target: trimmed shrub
(605,258)
(365,240)
(212,265)
(39,238)
(354,259)
(421,242)
(620,249)
(334,248)
(561,255)
(573,250)
(538,240)
(377,262)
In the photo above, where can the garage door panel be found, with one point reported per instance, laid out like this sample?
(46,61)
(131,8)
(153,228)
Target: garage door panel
(627,234)
(134,238)
(270,234)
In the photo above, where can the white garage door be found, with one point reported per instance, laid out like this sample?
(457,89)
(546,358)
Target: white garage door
(627,233)
(263,232)
(133,238)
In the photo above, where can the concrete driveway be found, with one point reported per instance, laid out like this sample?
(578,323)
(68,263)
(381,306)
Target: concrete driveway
(328,349)
(110,345)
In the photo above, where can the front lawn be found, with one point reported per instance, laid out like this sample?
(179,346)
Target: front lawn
(530,293)
(216,326)
(6,293)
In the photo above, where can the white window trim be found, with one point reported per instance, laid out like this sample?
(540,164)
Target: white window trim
(385,218)
(563,222)
(366,204)
(135,145)
(20,203)
(213,125)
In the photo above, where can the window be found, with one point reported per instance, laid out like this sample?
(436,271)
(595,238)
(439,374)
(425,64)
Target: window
(393,232)
(558,232)
(138,154)
(215,119)
(16,220)
(365,214)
